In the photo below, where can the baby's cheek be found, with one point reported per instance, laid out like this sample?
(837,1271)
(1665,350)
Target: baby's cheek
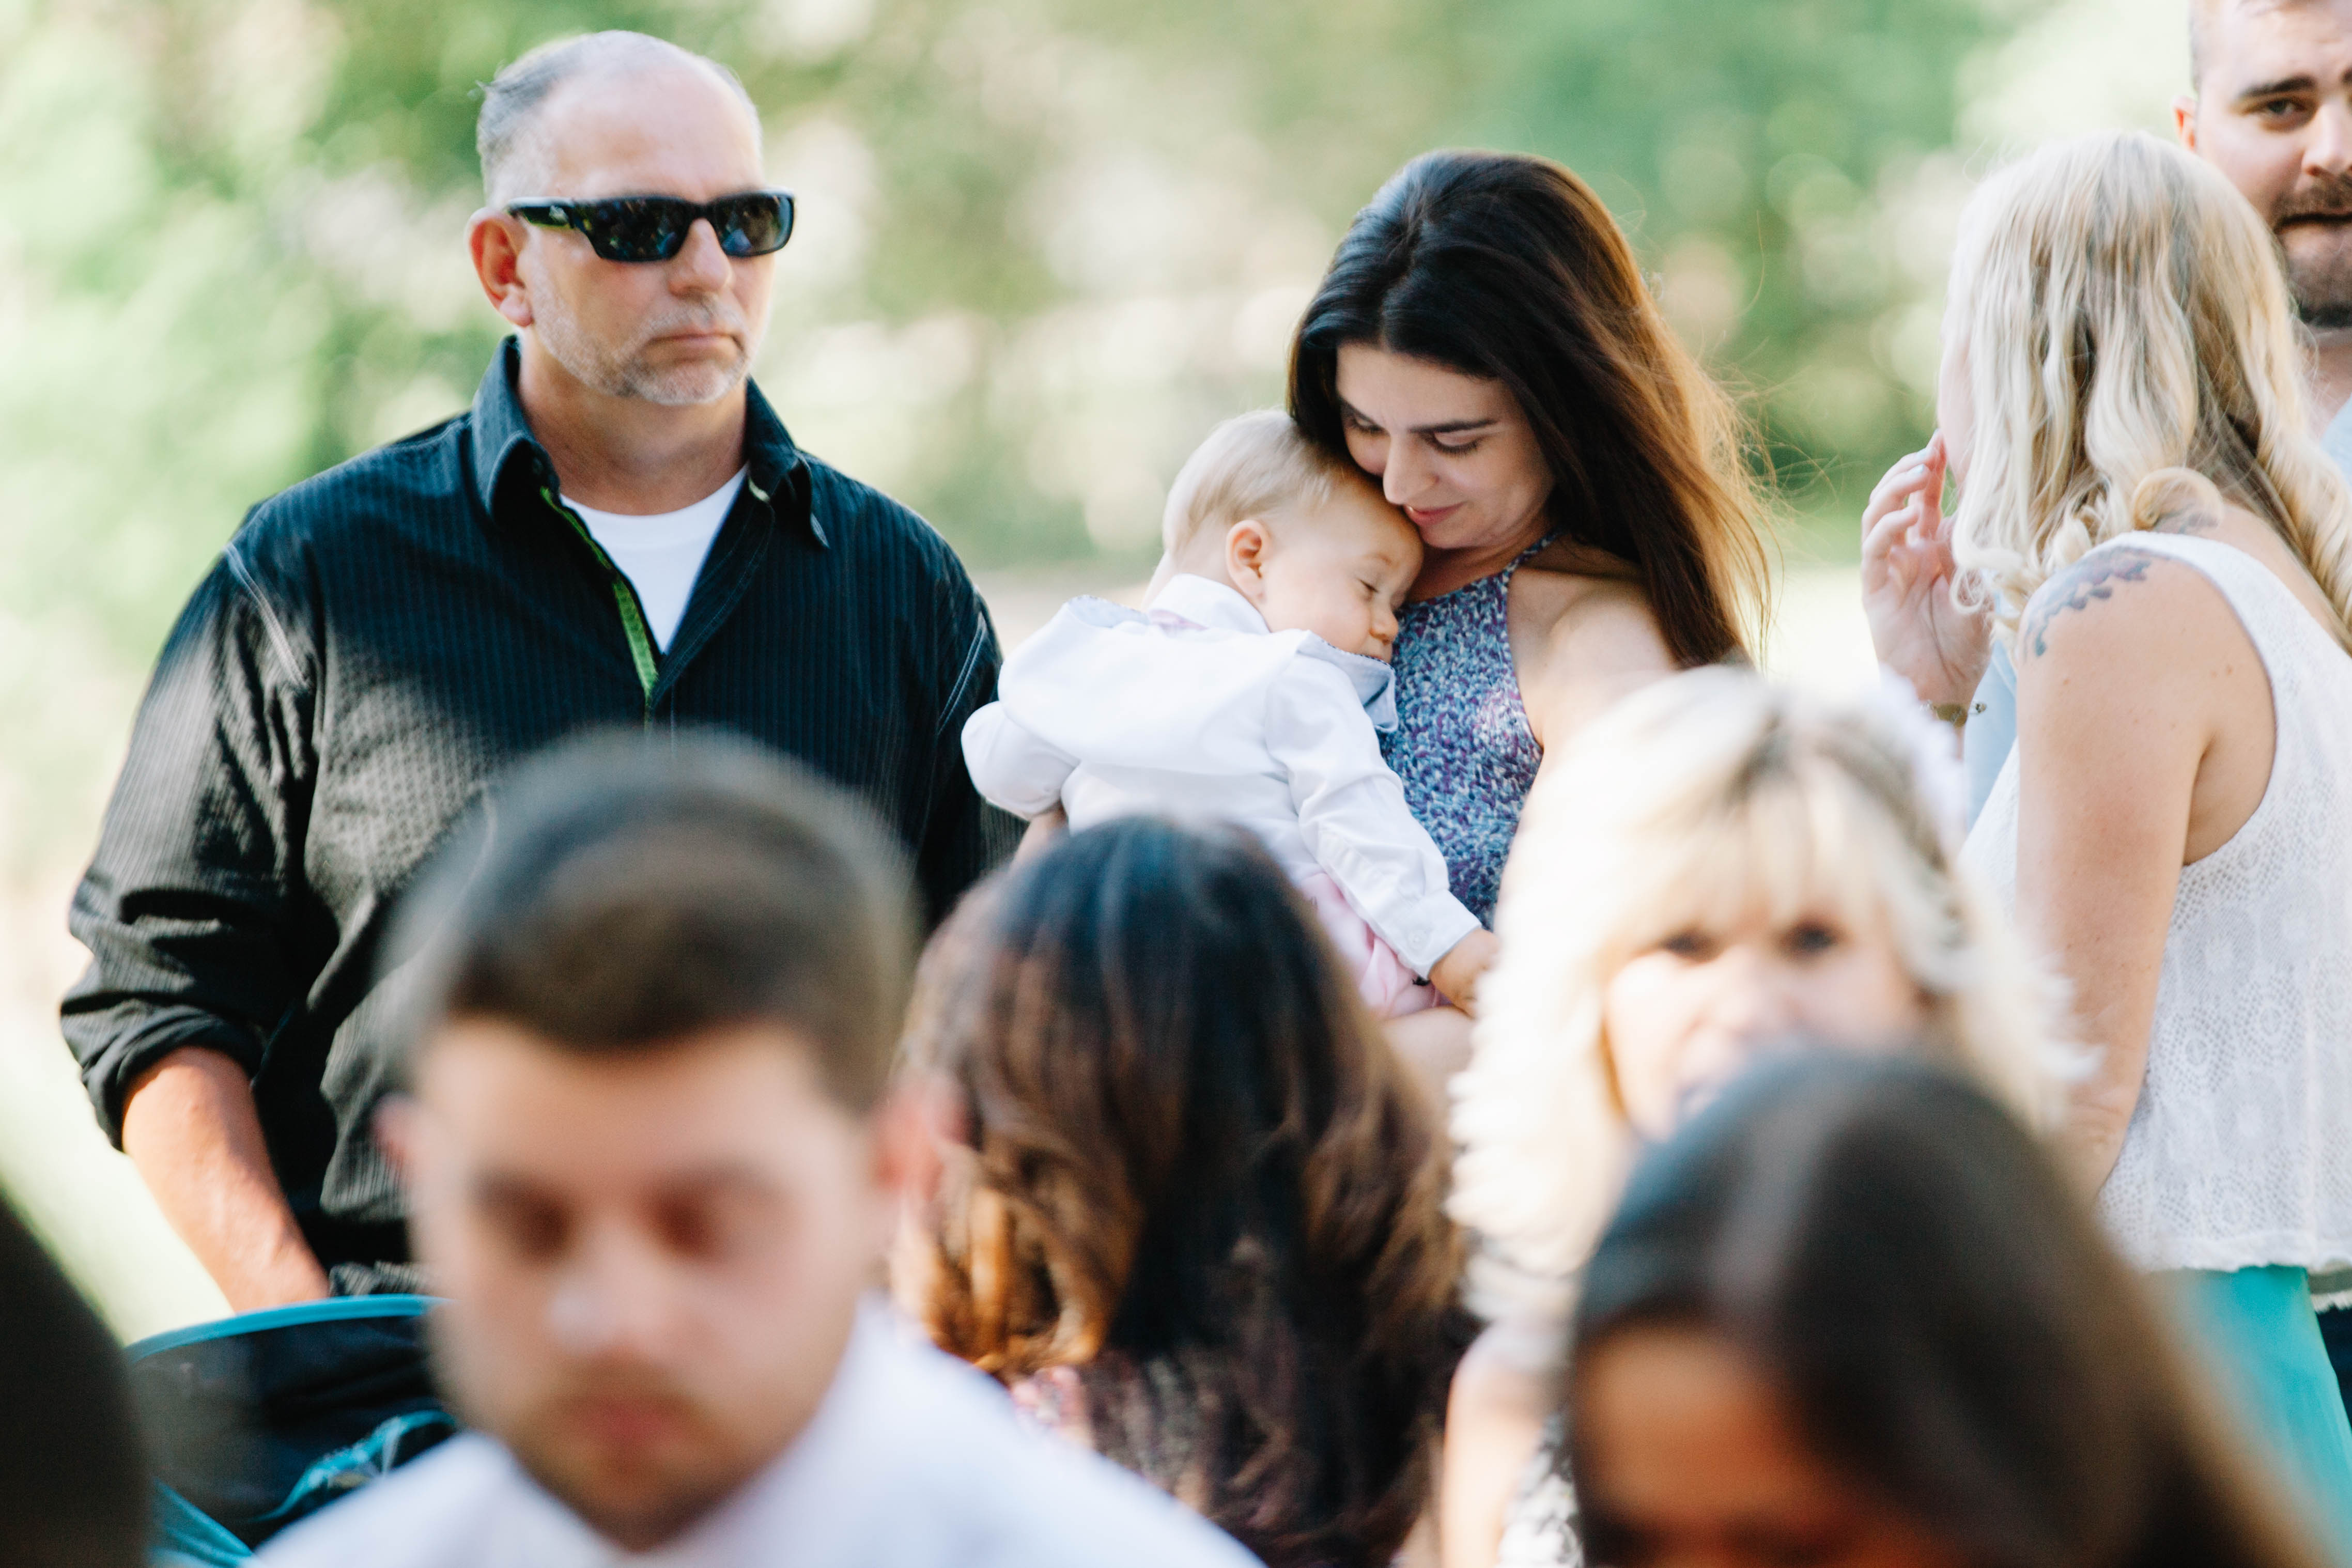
(1335,625)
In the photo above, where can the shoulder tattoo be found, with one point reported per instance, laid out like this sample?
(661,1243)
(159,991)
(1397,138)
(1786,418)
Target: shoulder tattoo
(2187,520)
(2079,587)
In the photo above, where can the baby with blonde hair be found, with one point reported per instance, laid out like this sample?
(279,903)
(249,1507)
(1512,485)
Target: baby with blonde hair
(1252,690)
(1715,866)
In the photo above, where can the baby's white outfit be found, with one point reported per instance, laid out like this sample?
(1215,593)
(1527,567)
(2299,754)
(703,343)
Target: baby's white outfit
(1195,709)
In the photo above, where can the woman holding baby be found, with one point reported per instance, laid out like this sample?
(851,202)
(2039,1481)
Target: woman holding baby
(1485,346)
(1483,351)
(1506,498)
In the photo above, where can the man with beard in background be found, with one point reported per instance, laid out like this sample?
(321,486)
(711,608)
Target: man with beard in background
(2271,108)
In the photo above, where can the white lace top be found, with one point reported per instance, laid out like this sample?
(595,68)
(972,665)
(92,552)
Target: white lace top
(1540,1525)
(2240,1151)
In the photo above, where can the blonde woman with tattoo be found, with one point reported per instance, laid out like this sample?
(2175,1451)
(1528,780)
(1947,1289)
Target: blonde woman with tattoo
(2167,555)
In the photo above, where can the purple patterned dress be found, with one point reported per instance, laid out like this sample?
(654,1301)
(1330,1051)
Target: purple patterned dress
(1461,744)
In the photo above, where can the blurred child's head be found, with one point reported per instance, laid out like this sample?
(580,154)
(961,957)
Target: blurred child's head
(1713,865)
(1296,530)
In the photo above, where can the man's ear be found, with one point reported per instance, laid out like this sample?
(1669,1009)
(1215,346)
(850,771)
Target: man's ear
(495,242)
(2184,120)
(395,1134)
(1247,545)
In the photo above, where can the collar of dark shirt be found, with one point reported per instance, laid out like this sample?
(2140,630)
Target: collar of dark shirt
(502,437)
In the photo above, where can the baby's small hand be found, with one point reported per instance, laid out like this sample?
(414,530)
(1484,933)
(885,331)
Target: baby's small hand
(1043,829)
(1456,974)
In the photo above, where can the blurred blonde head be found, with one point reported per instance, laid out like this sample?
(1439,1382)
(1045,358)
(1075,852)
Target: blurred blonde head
(2124,318)
(1705,796)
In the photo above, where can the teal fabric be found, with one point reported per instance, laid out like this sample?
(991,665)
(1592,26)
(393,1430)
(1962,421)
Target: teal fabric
(186,1538)
(2263,1345)
(1991,731)
(349,1468)
(331,1309)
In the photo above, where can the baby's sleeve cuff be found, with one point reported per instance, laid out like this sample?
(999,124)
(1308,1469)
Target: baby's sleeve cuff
(1432,928)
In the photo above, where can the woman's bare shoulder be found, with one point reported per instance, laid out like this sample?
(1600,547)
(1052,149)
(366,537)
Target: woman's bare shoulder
(2125,608)
(2131,659)
(1581,640)
(1573,590)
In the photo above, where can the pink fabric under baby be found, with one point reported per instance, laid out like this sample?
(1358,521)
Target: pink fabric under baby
(1383,979)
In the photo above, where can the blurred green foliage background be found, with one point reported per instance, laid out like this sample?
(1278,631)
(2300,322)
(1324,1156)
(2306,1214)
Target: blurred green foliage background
(1043,244)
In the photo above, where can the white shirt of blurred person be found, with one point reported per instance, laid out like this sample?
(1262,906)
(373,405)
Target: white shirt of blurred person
(1716,864)
(1251,692)
(2271,108)
(654,1159)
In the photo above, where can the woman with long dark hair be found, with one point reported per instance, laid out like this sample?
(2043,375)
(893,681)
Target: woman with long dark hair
(1853,1314)
(1485,345)
(1194,1219)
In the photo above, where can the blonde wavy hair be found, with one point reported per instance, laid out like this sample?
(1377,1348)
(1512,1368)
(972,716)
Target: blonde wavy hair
(1705,796)
(2129,342)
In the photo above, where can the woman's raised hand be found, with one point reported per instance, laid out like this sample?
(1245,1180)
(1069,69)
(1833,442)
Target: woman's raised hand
(1907,574)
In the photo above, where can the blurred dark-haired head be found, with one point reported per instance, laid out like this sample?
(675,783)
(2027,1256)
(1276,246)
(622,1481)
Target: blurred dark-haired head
(1196,1173)
(1509,269)
(1854,1300)
(649,1154)
(73,1474)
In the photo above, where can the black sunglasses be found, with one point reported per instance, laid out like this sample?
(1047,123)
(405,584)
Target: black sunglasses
(654,228)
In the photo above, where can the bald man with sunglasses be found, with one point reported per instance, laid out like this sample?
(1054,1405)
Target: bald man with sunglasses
(619,532)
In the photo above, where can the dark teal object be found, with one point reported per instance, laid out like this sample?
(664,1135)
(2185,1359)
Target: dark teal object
(258,1420)
(2262,1347)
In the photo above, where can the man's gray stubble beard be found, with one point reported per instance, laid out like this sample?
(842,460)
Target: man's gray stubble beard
(592,365)
(681,386)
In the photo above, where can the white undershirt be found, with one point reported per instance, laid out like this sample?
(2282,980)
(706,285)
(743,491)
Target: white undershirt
(662,555)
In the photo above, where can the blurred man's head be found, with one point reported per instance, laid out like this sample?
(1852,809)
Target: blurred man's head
(620,114)
(2273,110)
(649,1153)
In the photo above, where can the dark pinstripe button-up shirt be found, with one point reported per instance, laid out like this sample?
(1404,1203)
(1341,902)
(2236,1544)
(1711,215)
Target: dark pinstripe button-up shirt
(376,647)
